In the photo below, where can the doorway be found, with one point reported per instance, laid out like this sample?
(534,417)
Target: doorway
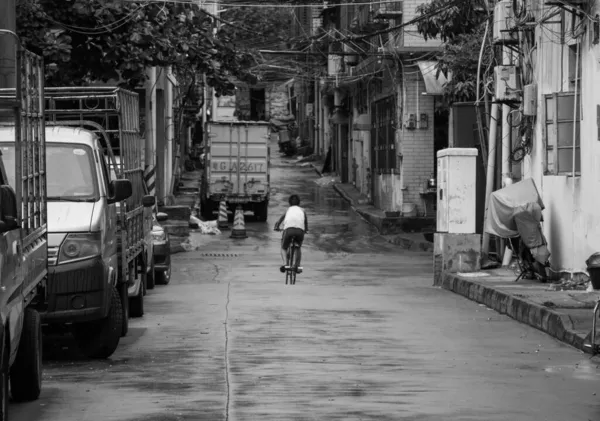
(258,111)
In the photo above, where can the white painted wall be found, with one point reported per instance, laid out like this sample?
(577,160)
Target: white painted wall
(572,219)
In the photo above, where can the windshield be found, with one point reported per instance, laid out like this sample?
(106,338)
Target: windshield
(69,171)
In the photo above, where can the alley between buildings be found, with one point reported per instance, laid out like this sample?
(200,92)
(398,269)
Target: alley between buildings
(363,335)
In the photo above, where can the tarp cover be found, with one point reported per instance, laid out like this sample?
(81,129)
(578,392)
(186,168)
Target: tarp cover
(511,200)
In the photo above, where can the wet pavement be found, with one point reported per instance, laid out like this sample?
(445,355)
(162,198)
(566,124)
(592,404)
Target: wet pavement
(362,336)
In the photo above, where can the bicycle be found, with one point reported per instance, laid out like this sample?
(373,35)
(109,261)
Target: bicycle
(291,269)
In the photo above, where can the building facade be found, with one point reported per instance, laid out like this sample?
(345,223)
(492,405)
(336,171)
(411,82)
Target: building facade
(565,151)
(374,107)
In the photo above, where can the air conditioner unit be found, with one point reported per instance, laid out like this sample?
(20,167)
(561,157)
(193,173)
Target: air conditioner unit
(507,83)
(504,19)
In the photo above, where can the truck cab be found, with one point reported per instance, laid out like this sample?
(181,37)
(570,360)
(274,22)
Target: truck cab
(82,237)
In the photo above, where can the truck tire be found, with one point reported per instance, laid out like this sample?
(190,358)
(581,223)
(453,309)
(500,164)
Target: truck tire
(150,279)
(164,277)
(26,371)
(136,304)
(99,339)
(261,211)
(4,374)
(125,308)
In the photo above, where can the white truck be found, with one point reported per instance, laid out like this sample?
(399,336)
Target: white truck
(23,232)
(237,167)
(100,217)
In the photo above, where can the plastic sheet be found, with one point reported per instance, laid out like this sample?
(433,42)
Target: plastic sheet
(510,201)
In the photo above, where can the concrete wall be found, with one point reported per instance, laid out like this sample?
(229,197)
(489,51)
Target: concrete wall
(572,222)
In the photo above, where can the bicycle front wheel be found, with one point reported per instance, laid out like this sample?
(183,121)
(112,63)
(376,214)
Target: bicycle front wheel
(289,271)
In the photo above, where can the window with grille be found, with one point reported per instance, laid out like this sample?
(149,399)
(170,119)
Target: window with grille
(562,137)
(383,135)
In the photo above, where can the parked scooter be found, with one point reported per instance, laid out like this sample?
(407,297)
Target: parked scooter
(516,212)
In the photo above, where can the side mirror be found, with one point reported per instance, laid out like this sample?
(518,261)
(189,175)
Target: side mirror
(121,190)
(148,201)
(8,206)
(161,216)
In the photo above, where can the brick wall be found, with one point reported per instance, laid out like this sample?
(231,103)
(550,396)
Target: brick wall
(416,145)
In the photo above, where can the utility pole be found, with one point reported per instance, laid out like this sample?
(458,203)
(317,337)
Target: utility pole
(8,44)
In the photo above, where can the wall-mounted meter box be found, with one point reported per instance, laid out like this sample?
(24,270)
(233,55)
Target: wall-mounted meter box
(530,99)
(507,83)
(456,190)
(504,20)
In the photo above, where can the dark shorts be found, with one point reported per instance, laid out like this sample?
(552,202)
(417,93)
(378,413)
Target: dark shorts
(290,233)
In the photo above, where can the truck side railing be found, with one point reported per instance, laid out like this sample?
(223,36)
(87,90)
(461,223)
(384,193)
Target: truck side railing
(23,109)
(113,114)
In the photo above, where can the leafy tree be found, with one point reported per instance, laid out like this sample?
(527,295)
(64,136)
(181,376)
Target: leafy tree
(83,41)
(461,26)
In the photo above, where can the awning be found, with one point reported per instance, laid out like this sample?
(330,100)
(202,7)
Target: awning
(433,85)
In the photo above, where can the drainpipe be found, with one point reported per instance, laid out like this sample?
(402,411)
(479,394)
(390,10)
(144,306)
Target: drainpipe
(489,180)
(8,45)
(151,117)
(506,60)
(169,135)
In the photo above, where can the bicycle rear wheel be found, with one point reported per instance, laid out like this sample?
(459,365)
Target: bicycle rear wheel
(289,272)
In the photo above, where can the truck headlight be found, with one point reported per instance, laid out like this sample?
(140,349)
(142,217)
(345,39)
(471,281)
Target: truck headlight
(159,236)
(79,247)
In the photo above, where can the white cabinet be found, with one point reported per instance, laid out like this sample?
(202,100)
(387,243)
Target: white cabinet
(456,190)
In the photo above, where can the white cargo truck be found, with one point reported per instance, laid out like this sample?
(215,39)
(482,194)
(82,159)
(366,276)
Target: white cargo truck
(237,167)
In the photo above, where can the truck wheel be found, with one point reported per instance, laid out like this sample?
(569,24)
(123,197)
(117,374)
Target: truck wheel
(125,308)
(99,339)
(261,211)
(26,371)
(136,304)
(164,277)
(207,209)
(150,280)
(4,369)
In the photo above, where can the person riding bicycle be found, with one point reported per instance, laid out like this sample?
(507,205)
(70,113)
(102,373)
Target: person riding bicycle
(295,224)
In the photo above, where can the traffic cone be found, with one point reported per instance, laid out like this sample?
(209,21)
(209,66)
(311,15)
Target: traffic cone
(239,226)
(222,221)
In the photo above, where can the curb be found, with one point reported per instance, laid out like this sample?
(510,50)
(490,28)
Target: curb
(405,243)
(542,318)
(314,167)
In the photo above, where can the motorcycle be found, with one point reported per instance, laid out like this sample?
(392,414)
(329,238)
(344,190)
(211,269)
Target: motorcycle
(515,213)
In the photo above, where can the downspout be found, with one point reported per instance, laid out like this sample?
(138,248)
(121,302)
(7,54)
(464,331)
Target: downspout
(489,179)
(169,129)
(506,60)
(151,118)
(575,110)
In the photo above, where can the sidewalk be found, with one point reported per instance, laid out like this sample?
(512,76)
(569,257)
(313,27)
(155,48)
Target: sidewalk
(565,315)
(390,228)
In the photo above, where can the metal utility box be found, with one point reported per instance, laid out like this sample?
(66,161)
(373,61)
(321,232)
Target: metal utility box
(456,191)
(507,83)
(504,21)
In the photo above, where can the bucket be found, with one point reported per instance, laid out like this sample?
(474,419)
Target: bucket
(409,209)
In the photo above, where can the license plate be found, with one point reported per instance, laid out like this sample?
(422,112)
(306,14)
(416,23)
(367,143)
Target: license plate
(238,199)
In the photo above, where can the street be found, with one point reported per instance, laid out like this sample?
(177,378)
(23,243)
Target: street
(361,336)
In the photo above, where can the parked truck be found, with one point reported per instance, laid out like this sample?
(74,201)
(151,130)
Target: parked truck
(100,225)
(237,167)
(23,232)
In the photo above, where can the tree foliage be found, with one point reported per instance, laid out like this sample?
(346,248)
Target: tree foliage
(460,58)
(447,19)
(83,41)
(461,26)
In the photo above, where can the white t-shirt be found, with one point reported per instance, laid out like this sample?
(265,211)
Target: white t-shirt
(294,218)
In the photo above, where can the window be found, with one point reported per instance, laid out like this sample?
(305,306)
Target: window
(383,135)
(560,121)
